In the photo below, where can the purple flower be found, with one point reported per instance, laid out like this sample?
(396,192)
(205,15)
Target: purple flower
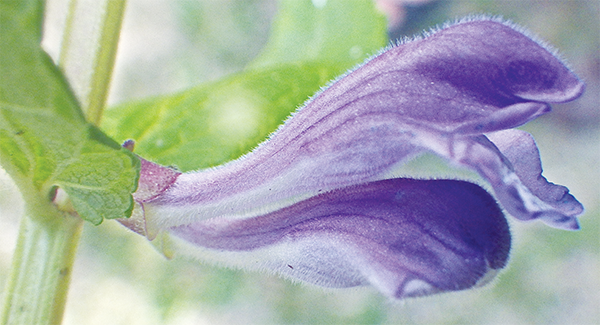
(310,202)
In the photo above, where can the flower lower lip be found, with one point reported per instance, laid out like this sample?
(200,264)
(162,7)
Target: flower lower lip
(446,234)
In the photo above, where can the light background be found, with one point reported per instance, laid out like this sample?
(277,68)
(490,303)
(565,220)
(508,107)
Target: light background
(553,276)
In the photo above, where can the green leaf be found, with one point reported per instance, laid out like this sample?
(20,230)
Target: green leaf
(44,139)
(217,122)
(342,31)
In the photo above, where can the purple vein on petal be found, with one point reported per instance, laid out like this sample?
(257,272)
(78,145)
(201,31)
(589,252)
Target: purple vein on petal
(406,237)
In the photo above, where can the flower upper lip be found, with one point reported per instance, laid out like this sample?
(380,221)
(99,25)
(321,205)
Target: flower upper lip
(567,95)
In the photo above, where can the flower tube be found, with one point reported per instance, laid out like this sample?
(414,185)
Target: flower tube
(457,93)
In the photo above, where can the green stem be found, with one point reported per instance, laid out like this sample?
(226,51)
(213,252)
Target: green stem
(107,53)
(100,58)
(43,260)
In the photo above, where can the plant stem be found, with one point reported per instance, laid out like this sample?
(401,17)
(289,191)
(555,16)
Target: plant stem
(41,269)
(78,57)
(107,54)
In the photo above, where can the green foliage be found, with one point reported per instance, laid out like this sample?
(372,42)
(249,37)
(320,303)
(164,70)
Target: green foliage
(338,31)
(217,122)
(211,124)
(45,141)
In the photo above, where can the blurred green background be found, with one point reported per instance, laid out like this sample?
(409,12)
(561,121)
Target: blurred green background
(166,46)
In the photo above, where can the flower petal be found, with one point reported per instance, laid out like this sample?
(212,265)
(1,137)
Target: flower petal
(520,149)
(520,195)
(406,237)
(438,94)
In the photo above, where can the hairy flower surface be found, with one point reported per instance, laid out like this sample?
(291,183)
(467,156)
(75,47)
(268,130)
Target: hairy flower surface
(309,202)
